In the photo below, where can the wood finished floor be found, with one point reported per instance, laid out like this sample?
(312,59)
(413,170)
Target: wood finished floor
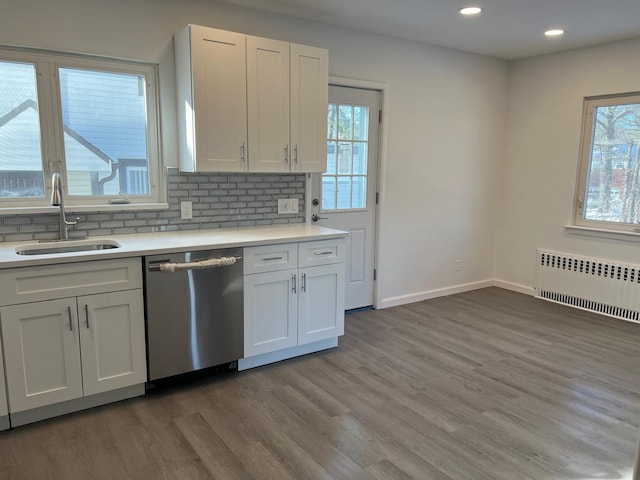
(483,385)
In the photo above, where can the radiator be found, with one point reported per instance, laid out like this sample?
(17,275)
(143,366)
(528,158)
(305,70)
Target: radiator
(604,286)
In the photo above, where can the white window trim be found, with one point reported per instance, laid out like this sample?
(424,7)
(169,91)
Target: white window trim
(49,105)
(597,228)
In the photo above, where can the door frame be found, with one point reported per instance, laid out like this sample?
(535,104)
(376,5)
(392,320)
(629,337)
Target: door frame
(384,90)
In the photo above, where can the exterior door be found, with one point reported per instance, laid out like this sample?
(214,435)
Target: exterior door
(345,196)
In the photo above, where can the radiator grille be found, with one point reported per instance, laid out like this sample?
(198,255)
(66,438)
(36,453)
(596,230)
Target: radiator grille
(594,284)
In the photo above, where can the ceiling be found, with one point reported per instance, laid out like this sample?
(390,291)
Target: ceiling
(508,29)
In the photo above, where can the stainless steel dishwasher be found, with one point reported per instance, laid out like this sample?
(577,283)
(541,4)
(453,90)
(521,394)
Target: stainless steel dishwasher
(194,307)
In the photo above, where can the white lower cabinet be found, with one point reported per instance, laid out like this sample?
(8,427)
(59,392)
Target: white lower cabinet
(321,303)
(270,312)
(286,306)
(73,336)
(68,348)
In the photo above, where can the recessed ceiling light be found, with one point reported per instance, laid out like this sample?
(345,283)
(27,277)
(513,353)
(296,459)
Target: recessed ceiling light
(470,10)
(555,32)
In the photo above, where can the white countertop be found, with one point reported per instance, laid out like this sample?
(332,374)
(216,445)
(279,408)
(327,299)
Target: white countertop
(169,242)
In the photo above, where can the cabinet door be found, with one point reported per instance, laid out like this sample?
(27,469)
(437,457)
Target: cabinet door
(309,100)
(219,108)
(321,303)
(270,312)
(268,104)
(42,353)
(112,339)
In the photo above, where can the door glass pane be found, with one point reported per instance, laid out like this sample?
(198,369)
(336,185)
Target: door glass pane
(345,122)
(105,136)
(360,158)
(344,158)
(344,192)
(332,150)
(20,146)
(360,123)
(332,125)
(329,193)
(359,192)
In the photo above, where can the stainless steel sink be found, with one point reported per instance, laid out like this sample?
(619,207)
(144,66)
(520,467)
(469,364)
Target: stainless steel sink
(66,246)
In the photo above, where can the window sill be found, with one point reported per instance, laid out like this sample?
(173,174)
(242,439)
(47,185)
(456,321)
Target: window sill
(84,208)
(623,235)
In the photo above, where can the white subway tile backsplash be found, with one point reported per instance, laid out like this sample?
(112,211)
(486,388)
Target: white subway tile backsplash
(219,201)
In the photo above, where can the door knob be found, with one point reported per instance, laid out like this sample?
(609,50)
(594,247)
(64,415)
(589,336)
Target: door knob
(315,202)
(315,218)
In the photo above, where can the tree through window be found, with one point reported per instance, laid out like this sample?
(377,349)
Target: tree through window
(609,188)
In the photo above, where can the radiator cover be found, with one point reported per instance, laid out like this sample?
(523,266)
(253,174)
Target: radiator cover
(603,286)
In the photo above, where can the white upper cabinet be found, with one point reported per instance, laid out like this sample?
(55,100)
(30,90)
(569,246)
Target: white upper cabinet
(268,104)
(212,100)
(250,104)
(309,100)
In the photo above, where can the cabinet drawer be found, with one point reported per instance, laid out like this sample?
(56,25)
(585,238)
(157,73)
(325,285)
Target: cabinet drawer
(322,252)
(34,284)
(270,258)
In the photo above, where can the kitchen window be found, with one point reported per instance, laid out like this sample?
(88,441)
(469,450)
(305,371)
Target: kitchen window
(93,120)
(608,195)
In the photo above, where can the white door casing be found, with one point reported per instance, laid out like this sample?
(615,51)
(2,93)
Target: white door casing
(359,222)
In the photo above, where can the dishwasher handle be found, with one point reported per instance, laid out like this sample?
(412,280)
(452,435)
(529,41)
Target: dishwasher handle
(168,266)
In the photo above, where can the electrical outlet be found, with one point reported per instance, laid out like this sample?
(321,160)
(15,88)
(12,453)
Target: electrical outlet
(186,210)
(287,206)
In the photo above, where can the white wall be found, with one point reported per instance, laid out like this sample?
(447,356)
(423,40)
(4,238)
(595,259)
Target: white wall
(445,120)
(545,114)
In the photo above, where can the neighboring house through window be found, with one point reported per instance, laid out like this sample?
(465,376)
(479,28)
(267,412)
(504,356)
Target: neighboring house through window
(94,121)
(608,193)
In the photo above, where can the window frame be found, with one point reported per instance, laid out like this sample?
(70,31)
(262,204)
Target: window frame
(586,139)
(47,65)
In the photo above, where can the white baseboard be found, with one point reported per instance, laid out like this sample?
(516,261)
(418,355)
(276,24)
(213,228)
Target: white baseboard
(516,287)
(439,292)
(442,292)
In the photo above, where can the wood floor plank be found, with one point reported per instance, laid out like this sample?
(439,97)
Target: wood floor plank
(484,385)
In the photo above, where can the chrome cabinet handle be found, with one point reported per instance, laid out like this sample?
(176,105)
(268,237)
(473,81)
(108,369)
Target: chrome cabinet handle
(286,154)
(293,283)
(242,152)
(271,258)
(86,315)
(70,319)
(304,282)
(323,253)
(295,153)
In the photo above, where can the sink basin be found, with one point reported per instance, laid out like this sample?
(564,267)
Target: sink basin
(65,246)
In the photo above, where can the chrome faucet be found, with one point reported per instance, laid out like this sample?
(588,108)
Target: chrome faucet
(57,200)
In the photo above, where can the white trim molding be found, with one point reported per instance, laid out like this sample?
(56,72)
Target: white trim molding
(429,294)
(442,292)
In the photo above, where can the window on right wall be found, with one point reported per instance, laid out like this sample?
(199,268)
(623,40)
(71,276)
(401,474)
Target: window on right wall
(608,193)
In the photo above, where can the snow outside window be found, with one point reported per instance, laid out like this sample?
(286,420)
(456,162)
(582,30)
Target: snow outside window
(609,176)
